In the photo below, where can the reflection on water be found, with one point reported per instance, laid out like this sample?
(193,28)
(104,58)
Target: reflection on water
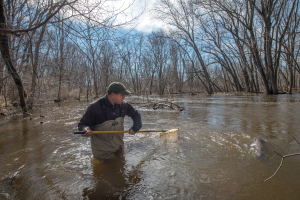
(112,179)
(213,156)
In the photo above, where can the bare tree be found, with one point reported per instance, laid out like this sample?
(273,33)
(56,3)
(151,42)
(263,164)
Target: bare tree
(264,26)
(182,18)
(39,17)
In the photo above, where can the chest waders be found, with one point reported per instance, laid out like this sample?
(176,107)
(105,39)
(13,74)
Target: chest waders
(104,146)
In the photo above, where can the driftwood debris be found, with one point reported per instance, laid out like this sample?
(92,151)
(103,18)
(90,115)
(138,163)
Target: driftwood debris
(157,105)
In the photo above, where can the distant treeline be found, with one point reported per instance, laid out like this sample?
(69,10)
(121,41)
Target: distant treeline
(75,49)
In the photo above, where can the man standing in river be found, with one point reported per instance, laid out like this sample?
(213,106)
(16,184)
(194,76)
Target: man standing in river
(107,114)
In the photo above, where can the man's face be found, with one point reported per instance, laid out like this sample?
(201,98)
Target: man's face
(118,98)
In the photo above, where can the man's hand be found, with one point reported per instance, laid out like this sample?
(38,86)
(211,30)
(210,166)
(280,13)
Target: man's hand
(88,132)
(131,132)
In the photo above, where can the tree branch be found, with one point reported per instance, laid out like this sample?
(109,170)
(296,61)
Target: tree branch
(17,32)
(282,158)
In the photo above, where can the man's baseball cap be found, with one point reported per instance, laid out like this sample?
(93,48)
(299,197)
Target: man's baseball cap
(117,87)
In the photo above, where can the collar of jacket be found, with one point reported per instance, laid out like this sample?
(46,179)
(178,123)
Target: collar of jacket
(109,104)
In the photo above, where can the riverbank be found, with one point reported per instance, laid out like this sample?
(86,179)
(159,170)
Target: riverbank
(8,108)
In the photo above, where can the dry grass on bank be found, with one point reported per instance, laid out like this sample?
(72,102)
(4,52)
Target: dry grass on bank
(8,109)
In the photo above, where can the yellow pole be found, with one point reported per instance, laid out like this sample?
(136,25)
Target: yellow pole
(140,131)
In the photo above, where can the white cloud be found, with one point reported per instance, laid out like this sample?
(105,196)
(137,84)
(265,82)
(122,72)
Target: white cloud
(146,23)
(125,10)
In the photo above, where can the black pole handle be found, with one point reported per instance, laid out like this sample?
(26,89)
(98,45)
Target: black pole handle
(79,132)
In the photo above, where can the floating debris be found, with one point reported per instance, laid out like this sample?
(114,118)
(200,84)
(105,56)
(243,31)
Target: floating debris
(11,180)
(42,117)
(156,105)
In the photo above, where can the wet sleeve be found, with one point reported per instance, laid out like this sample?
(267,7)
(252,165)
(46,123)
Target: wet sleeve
(87,119)
(136,118)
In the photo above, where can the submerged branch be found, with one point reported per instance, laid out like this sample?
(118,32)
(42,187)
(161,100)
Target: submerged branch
(282,158)
(295,139)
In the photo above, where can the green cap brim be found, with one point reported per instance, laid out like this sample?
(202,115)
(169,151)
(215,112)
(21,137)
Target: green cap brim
(126,92)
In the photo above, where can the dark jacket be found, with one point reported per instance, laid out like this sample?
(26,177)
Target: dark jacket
(96,115)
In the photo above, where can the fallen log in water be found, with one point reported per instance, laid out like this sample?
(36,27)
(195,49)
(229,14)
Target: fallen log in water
(157,105)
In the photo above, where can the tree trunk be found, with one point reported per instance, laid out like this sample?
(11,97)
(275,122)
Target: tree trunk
(268,54)
(61,63)
(1,77)
(34,67)
(291,81)
(7,59)
(257,61)
(204,69)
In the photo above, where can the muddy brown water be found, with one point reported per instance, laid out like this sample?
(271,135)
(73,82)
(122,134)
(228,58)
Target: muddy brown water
(213,157)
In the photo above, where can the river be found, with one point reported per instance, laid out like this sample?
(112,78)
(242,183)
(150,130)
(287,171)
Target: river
(214,156)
